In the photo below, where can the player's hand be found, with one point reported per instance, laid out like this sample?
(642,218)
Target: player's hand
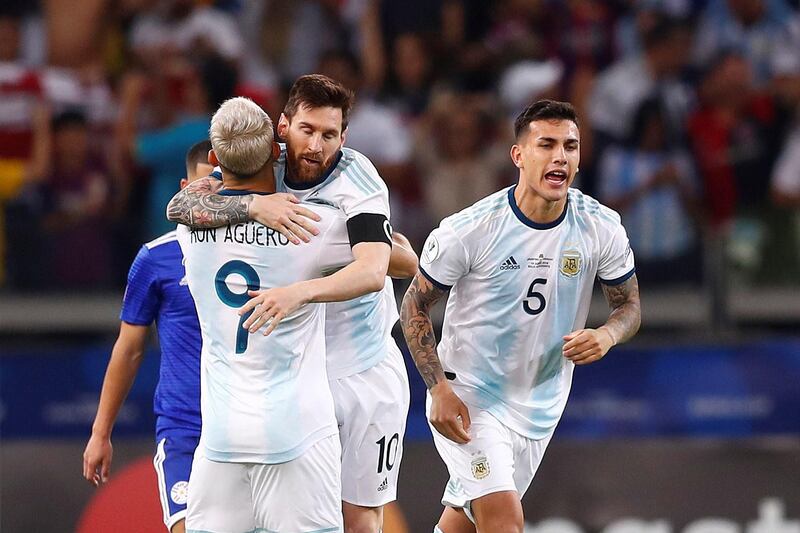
(281,212)
(449,415)
(270,306)
(97,460)
(588,345)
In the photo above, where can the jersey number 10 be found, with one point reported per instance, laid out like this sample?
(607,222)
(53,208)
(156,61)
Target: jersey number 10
(234,299)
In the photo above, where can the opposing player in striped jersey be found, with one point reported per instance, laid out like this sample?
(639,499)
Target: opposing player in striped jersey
(519,266)
(269,452)
(157,292)
(365,368)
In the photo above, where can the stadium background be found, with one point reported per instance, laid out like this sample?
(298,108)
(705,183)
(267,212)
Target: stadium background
(690,122)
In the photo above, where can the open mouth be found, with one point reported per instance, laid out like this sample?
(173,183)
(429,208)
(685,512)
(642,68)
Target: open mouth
(310,161)
(556,177)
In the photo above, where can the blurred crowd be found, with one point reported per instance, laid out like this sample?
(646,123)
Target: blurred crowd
(690,115)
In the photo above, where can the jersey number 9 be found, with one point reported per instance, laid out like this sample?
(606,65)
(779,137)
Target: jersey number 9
(234,299)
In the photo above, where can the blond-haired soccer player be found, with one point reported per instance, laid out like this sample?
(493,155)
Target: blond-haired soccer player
(269,452)
(365,368)
(519,266)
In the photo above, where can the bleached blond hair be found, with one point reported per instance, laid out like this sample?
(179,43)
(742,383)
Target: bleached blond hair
(241,136)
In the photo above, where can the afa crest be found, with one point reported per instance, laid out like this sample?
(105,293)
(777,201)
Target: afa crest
(480,467)
(571,263)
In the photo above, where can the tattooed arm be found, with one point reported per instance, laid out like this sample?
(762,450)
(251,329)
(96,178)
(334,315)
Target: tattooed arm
(449,415)
(589,345)
(198,206)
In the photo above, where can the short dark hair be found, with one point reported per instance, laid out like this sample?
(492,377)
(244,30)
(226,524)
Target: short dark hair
(544,110)
(69,118)
(665,28)
(197,154)
(316,90)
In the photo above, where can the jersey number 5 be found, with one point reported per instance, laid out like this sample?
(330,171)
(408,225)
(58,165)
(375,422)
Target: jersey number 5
(538,297)
(234,299)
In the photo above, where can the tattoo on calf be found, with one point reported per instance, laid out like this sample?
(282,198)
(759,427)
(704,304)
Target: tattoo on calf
(418,328)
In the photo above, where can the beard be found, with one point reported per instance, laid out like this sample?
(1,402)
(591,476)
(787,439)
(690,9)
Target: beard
(306,167)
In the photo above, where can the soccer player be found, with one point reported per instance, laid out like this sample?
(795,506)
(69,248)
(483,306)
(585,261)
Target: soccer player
(519,266)
(157,292)
(268,457)
(365,368)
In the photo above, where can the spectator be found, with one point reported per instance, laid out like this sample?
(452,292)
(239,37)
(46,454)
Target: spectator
(620,89)
(653,187)
(207,84)
(76,226)
(733,135)
(24,149)
(459,155)
(758,29)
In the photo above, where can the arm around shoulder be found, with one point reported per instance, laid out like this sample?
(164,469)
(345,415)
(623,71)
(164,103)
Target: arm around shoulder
(403,262)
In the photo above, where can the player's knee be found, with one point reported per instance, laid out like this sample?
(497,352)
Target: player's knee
(362,519)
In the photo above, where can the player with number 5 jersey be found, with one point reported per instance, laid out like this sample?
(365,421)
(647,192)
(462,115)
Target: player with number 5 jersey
(519,266)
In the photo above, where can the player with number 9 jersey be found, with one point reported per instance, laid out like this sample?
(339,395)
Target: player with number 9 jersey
(264,399)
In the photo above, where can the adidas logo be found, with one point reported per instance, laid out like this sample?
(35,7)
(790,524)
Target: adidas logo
(384,485)
(510,264)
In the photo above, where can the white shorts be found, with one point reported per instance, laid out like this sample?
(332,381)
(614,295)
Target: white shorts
(371,408)
(496,459)
(299,496)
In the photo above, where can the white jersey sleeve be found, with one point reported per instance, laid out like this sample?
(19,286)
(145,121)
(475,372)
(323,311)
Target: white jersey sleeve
(444,258)
(334,250)
(616,259)
(362,189)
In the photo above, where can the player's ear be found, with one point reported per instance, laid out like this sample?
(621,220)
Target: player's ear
(212,158)
(516,155)
(276,151)
(184,182)
(344,136)
(283,126)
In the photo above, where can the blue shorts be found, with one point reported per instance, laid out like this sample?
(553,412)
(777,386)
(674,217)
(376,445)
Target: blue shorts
(173,464)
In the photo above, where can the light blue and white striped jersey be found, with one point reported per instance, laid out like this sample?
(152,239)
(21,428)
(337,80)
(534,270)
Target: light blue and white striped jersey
(357,331)
(516,288)
(658,224)
(263,399)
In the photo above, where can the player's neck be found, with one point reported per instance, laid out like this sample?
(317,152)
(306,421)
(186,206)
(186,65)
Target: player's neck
(261,181)
(537,208)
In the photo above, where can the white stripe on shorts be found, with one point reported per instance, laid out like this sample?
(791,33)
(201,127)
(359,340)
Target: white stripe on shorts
(158,463)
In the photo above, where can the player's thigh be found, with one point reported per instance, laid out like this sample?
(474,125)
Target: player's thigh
(220,498)
(498,512)
(482,466)
(360,519)
(372,407)
(455,521)
(303,494)
(173,464)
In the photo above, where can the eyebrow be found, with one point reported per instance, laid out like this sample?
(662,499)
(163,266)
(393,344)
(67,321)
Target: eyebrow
(303,123)
(553,140)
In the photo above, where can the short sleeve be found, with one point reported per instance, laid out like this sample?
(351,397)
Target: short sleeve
(444,258)
(364,190)
(616,262)
(142,295)
(335,250)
